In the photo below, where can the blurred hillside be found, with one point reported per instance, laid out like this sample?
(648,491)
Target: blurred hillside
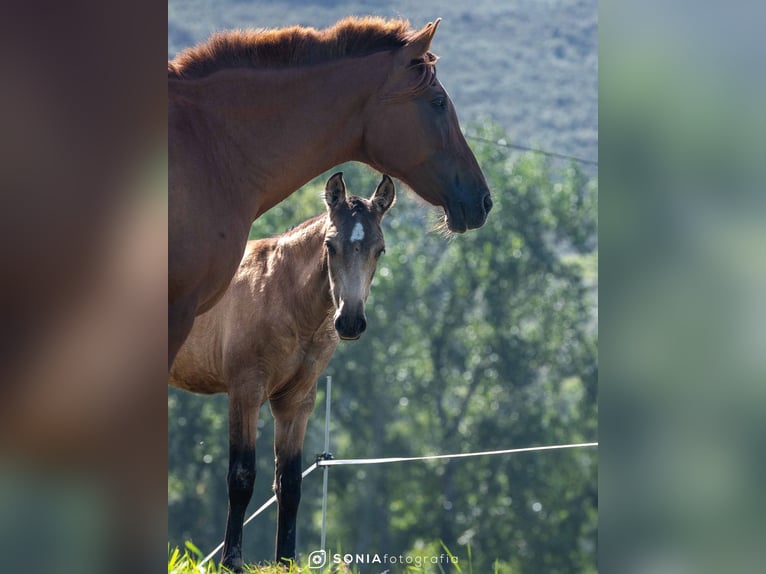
(530,65)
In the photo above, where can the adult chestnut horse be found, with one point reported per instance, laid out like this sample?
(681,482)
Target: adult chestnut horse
(272,334)
(253,115)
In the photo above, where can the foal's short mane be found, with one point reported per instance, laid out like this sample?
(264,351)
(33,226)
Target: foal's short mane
(290,47)
(299,231)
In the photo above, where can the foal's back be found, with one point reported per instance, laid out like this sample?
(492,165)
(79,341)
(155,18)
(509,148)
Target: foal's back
(273,324)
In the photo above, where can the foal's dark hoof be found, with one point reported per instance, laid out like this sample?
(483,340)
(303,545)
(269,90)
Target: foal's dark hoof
(234,566)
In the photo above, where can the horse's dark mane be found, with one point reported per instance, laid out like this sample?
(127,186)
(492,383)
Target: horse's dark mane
(290,47)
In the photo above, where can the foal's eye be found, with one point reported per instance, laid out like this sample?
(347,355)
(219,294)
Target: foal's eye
(330,249)
(440,102)
(380,252)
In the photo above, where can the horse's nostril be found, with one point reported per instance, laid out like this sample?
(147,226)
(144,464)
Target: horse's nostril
(487,203)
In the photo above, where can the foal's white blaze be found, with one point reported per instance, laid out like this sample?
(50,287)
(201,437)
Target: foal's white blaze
(357,234)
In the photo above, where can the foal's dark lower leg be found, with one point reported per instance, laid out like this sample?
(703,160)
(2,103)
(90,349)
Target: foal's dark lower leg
(241,479)
(288,489)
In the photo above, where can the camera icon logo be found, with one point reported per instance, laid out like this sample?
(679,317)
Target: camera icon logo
(317,559)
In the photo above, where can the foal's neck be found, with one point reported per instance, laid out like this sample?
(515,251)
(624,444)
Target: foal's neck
(303,254)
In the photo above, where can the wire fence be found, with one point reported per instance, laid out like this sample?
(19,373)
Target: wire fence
(504,143)
(325,460)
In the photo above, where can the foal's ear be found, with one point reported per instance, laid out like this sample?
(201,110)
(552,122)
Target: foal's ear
(384,196)
(335,191)
(420,43)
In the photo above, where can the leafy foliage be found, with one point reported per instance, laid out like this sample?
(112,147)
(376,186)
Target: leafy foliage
(479,342)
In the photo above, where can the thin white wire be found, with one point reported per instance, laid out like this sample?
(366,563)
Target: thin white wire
(352,461)
(342,461)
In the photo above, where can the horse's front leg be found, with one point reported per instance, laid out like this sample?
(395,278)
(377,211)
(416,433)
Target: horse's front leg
(180,322)
(243,428)
(289,431)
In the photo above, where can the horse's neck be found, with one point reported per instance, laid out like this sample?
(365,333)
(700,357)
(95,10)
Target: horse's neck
(289,125)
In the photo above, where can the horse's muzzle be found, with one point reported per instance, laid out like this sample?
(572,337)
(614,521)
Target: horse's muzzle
(465,216)
(487,203)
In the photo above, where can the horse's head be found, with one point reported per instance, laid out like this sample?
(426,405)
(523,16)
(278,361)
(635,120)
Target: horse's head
(412,132)
(353,242)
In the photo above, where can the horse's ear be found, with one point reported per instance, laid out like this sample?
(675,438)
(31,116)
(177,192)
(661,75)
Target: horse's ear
(420,43)
(335,191)
(384,196)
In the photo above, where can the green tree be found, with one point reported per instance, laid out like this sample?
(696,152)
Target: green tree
(483,341)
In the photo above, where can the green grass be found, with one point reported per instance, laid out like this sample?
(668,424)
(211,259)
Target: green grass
(187,562)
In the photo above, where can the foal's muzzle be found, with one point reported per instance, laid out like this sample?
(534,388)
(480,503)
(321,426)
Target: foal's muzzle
(350,327)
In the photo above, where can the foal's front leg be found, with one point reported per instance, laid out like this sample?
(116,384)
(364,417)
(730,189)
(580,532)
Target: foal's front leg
(289,431)
(243,428)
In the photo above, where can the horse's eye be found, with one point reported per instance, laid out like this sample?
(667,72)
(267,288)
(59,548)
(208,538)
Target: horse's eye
(440,102)
(330,249)
(380,252)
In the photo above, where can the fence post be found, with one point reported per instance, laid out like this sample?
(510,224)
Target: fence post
(326,455)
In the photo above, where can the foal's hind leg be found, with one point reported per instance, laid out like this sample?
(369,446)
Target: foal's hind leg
(243,427)
(289,431)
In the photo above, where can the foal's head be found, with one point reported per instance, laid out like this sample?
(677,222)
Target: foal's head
(354,243)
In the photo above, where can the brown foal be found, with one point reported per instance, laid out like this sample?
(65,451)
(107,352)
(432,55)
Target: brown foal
(273,333)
